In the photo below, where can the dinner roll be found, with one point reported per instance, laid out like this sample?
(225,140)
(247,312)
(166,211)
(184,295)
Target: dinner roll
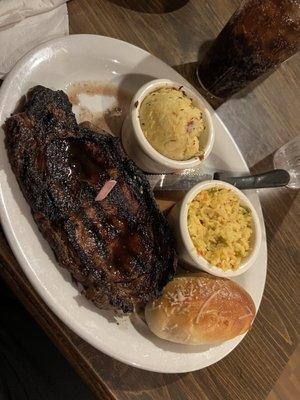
(200,309)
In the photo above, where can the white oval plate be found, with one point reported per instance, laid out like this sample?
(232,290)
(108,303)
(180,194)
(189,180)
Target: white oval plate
(56,64)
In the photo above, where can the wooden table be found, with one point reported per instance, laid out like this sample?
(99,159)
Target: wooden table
(260,122)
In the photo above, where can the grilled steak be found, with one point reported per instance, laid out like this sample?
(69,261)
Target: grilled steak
(120,249)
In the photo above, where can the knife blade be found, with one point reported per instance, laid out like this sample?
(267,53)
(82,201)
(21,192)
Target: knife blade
(189,178)
(161,182)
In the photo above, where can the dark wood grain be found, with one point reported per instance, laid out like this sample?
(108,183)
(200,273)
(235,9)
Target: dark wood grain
(260,122)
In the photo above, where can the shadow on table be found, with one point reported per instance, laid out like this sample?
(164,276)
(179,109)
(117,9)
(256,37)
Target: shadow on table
(275,202)
(31,367)
(128,379)
(151,6)
(265,164)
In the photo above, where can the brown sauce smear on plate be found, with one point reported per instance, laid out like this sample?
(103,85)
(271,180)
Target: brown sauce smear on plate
(111,119)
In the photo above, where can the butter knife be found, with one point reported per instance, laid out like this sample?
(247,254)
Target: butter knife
(189,178)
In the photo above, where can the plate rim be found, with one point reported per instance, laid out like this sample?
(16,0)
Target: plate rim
(25,263)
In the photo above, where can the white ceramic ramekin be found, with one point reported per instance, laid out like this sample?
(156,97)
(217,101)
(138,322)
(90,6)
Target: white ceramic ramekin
(185,248)
(140,150)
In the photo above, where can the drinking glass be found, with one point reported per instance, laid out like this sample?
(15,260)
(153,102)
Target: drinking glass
(288,158)
(259,36)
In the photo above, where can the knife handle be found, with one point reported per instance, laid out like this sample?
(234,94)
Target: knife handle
(271,179)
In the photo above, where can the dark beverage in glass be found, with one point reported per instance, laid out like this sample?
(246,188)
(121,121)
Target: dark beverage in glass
(259,36)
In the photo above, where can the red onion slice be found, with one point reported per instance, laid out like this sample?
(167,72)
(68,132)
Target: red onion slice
(190,126)
(105,190)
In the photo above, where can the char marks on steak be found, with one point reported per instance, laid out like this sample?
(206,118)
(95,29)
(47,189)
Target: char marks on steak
(120,249)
